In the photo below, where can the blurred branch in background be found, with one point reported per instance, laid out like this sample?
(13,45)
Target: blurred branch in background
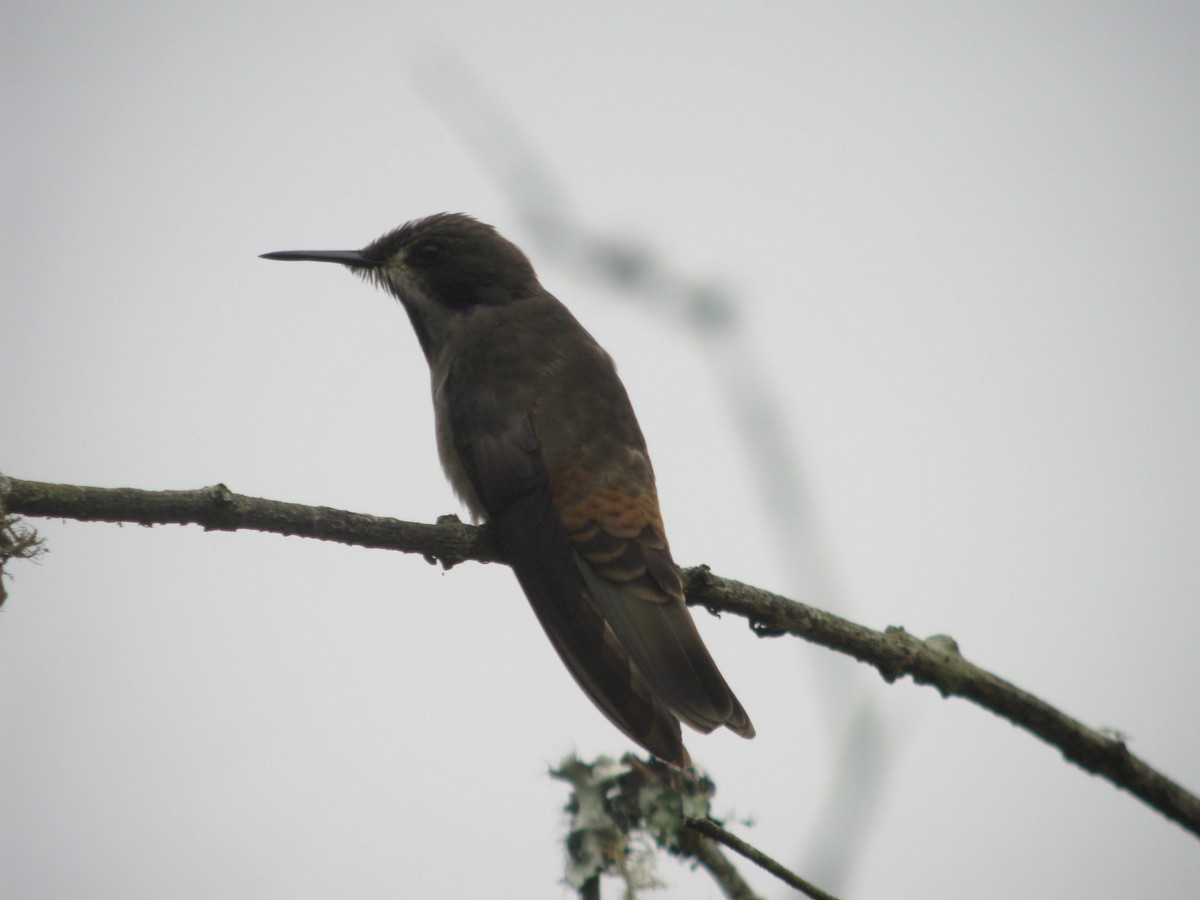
(710,314)
(894,653)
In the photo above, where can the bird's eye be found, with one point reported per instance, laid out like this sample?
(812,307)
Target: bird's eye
(428,252)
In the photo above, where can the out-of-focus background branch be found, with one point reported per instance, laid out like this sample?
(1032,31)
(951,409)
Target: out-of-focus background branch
(711,313)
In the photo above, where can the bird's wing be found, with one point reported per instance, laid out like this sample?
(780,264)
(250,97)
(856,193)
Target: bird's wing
(610,512)
(502,459)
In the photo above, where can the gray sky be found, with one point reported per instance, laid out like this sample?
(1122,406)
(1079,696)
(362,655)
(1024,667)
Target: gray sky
(964,241)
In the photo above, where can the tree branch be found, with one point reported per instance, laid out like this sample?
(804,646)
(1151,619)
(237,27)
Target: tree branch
(937,662)
(893,652)
(216,508)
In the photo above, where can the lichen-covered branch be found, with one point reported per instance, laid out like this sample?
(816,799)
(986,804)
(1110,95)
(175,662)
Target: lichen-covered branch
(893,652)
(620,810)
(17,541)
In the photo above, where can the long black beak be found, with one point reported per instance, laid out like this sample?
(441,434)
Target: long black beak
(345,257)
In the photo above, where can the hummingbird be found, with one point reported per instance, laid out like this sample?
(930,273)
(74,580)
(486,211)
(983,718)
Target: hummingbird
(538,438)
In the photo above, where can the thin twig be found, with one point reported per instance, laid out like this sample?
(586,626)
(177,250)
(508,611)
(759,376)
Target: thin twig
(894,652)
(711,829)
(709,856)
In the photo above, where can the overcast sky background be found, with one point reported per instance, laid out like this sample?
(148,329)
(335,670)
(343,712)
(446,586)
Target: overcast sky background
(964,242)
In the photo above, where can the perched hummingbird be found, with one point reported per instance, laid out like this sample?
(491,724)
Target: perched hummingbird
(538,438)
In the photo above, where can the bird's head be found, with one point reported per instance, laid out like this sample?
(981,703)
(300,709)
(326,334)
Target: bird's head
(439,268)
